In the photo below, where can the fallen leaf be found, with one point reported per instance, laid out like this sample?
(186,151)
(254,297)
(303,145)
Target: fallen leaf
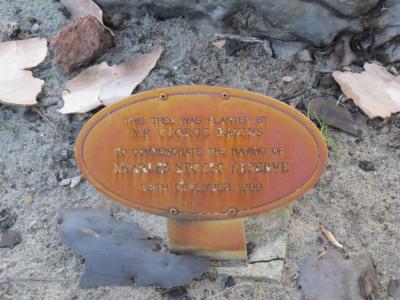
(287,78)
(219,44)
(105,85)
(82,8)
(330,237)
(23,54)
(332,277)
(15,56)
(334,115)
(375,91)
(121,253)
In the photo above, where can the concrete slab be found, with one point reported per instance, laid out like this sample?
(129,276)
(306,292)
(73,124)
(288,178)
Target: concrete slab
(269,233)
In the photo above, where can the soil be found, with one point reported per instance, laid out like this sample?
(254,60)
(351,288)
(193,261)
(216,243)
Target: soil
(361,208)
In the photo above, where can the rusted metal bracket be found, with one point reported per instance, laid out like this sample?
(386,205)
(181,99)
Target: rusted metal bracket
(224,240)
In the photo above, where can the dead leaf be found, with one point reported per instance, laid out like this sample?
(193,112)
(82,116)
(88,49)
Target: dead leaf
(375,91)
(334,115)
(15,56)
(287,78)
(333,277)
(121,253)
(82,8)
(105,85)
(330,237)
(219,44)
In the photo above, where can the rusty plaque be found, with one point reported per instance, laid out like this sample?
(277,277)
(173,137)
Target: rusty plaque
(201,153)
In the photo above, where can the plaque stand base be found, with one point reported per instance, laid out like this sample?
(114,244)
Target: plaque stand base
(222,240)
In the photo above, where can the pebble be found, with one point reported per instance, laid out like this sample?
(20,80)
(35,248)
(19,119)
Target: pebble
(75,181)
(35,28)
(65,182)
(287,79)
(79,43)
(366,165)
(29,199)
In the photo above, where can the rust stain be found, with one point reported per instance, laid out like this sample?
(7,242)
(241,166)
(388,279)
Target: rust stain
(223,240)
(201,153)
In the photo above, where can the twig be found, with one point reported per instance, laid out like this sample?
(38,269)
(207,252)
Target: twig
(246,39)
(297,93)
(36,110)
(330,237)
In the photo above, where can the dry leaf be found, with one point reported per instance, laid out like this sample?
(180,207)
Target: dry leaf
(330,237)
(375,91)
(105,85)
(121,253)
(82,8)
(15,56)
(287,78)
(334,276)
(219,44)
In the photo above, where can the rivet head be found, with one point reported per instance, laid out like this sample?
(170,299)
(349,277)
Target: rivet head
(163,96)
(232,211)
(173,211)
(225,95)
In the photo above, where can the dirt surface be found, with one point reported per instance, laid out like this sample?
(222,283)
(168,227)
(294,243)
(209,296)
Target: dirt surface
(361,208)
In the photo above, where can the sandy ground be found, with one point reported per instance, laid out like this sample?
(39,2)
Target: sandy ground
(361,208)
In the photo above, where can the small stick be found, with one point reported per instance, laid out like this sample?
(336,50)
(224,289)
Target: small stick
(293,95)
(245,39)
(330,237)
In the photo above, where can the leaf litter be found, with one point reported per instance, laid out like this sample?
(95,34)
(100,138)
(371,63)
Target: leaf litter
(15,58)
(331,276)
(375,91)
(330,237)
(121,253)
(102,84)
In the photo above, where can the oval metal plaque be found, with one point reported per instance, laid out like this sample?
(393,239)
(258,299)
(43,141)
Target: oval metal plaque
(201,152)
